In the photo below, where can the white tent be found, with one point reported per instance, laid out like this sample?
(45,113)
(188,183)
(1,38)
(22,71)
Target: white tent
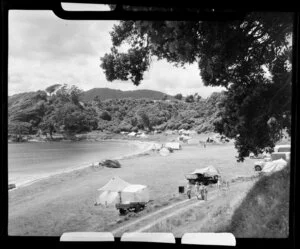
(164,152)
(174,146)
(110,191)
(183,138)
(132,134)
(135,193)
(117,190)
(277,155)
(115,184)
(143,135)
(282,148)
(108,198)
(274,166)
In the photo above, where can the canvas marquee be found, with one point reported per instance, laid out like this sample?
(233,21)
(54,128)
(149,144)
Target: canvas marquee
(135,193)
(118,190)
(115,184)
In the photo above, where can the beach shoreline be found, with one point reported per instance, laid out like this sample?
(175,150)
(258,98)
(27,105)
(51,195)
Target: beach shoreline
(142,148)
(143,145)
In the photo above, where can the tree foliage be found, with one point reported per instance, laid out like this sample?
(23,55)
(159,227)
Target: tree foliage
(178,96)
(42,114)
(52,88)
(62,111)
(189,99)
(235,55)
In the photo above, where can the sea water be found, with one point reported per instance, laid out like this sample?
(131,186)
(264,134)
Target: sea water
(28,162)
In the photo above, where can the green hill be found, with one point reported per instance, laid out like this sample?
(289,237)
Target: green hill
(65,111)
(107,93)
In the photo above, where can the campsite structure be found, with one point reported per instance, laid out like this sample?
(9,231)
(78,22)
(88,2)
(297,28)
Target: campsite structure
(123,195)
(280,152)
(205,175)
(173,146)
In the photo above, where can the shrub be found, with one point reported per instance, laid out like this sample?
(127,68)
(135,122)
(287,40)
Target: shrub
(105,116)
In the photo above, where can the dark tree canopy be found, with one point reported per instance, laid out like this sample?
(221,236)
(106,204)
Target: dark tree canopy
(178,96)
(235,55)
(189,99)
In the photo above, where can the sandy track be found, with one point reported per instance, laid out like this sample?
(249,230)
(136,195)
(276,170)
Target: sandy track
(151,219)
(151,216)
(146,222)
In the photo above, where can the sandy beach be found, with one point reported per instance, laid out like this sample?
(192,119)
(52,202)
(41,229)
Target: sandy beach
(137,148)
(65,202)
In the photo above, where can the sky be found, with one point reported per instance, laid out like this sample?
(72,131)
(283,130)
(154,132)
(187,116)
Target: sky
(46,50)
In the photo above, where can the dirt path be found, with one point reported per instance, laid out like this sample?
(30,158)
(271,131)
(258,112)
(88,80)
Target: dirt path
(164,213)
(146,222)
(151,216)
(173,213)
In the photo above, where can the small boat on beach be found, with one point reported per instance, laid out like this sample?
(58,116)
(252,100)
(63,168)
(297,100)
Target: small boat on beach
(11,186)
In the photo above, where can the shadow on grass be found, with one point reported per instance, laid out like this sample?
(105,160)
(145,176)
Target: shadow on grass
(264,213)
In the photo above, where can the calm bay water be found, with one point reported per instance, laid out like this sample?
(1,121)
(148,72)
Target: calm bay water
(30,161)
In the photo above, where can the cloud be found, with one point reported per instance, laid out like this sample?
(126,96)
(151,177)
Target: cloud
(165,77)
(42,35)
(45,50)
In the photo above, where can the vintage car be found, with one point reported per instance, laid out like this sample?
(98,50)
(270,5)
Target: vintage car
(258,156)
(110,164)
(280,151)
(205,175)
(133,198)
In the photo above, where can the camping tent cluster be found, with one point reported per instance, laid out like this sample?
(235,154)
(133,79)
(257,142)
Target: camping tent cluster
(187,132)
(140,134)
(120,191)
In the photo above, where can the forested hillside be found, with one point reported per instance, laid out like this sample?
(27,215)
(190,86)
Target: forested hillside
(106,93)
(60,109)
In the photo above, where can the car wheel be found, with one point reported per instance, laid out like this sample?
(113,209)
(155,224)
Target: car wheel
(257,168)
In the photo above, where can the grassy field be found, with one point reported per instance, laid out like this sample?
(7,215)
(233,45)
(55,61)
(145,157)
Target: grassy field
(66,202)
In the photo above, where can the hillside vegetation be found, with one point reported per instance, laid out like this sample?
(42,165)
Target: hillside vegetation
(106,93)
(264,213)
(62,110)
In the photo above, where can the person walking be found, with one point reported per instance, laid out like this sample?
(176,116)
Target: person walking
(201,191)
(205,192)
(197,188)
(189,189)
(219,182)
